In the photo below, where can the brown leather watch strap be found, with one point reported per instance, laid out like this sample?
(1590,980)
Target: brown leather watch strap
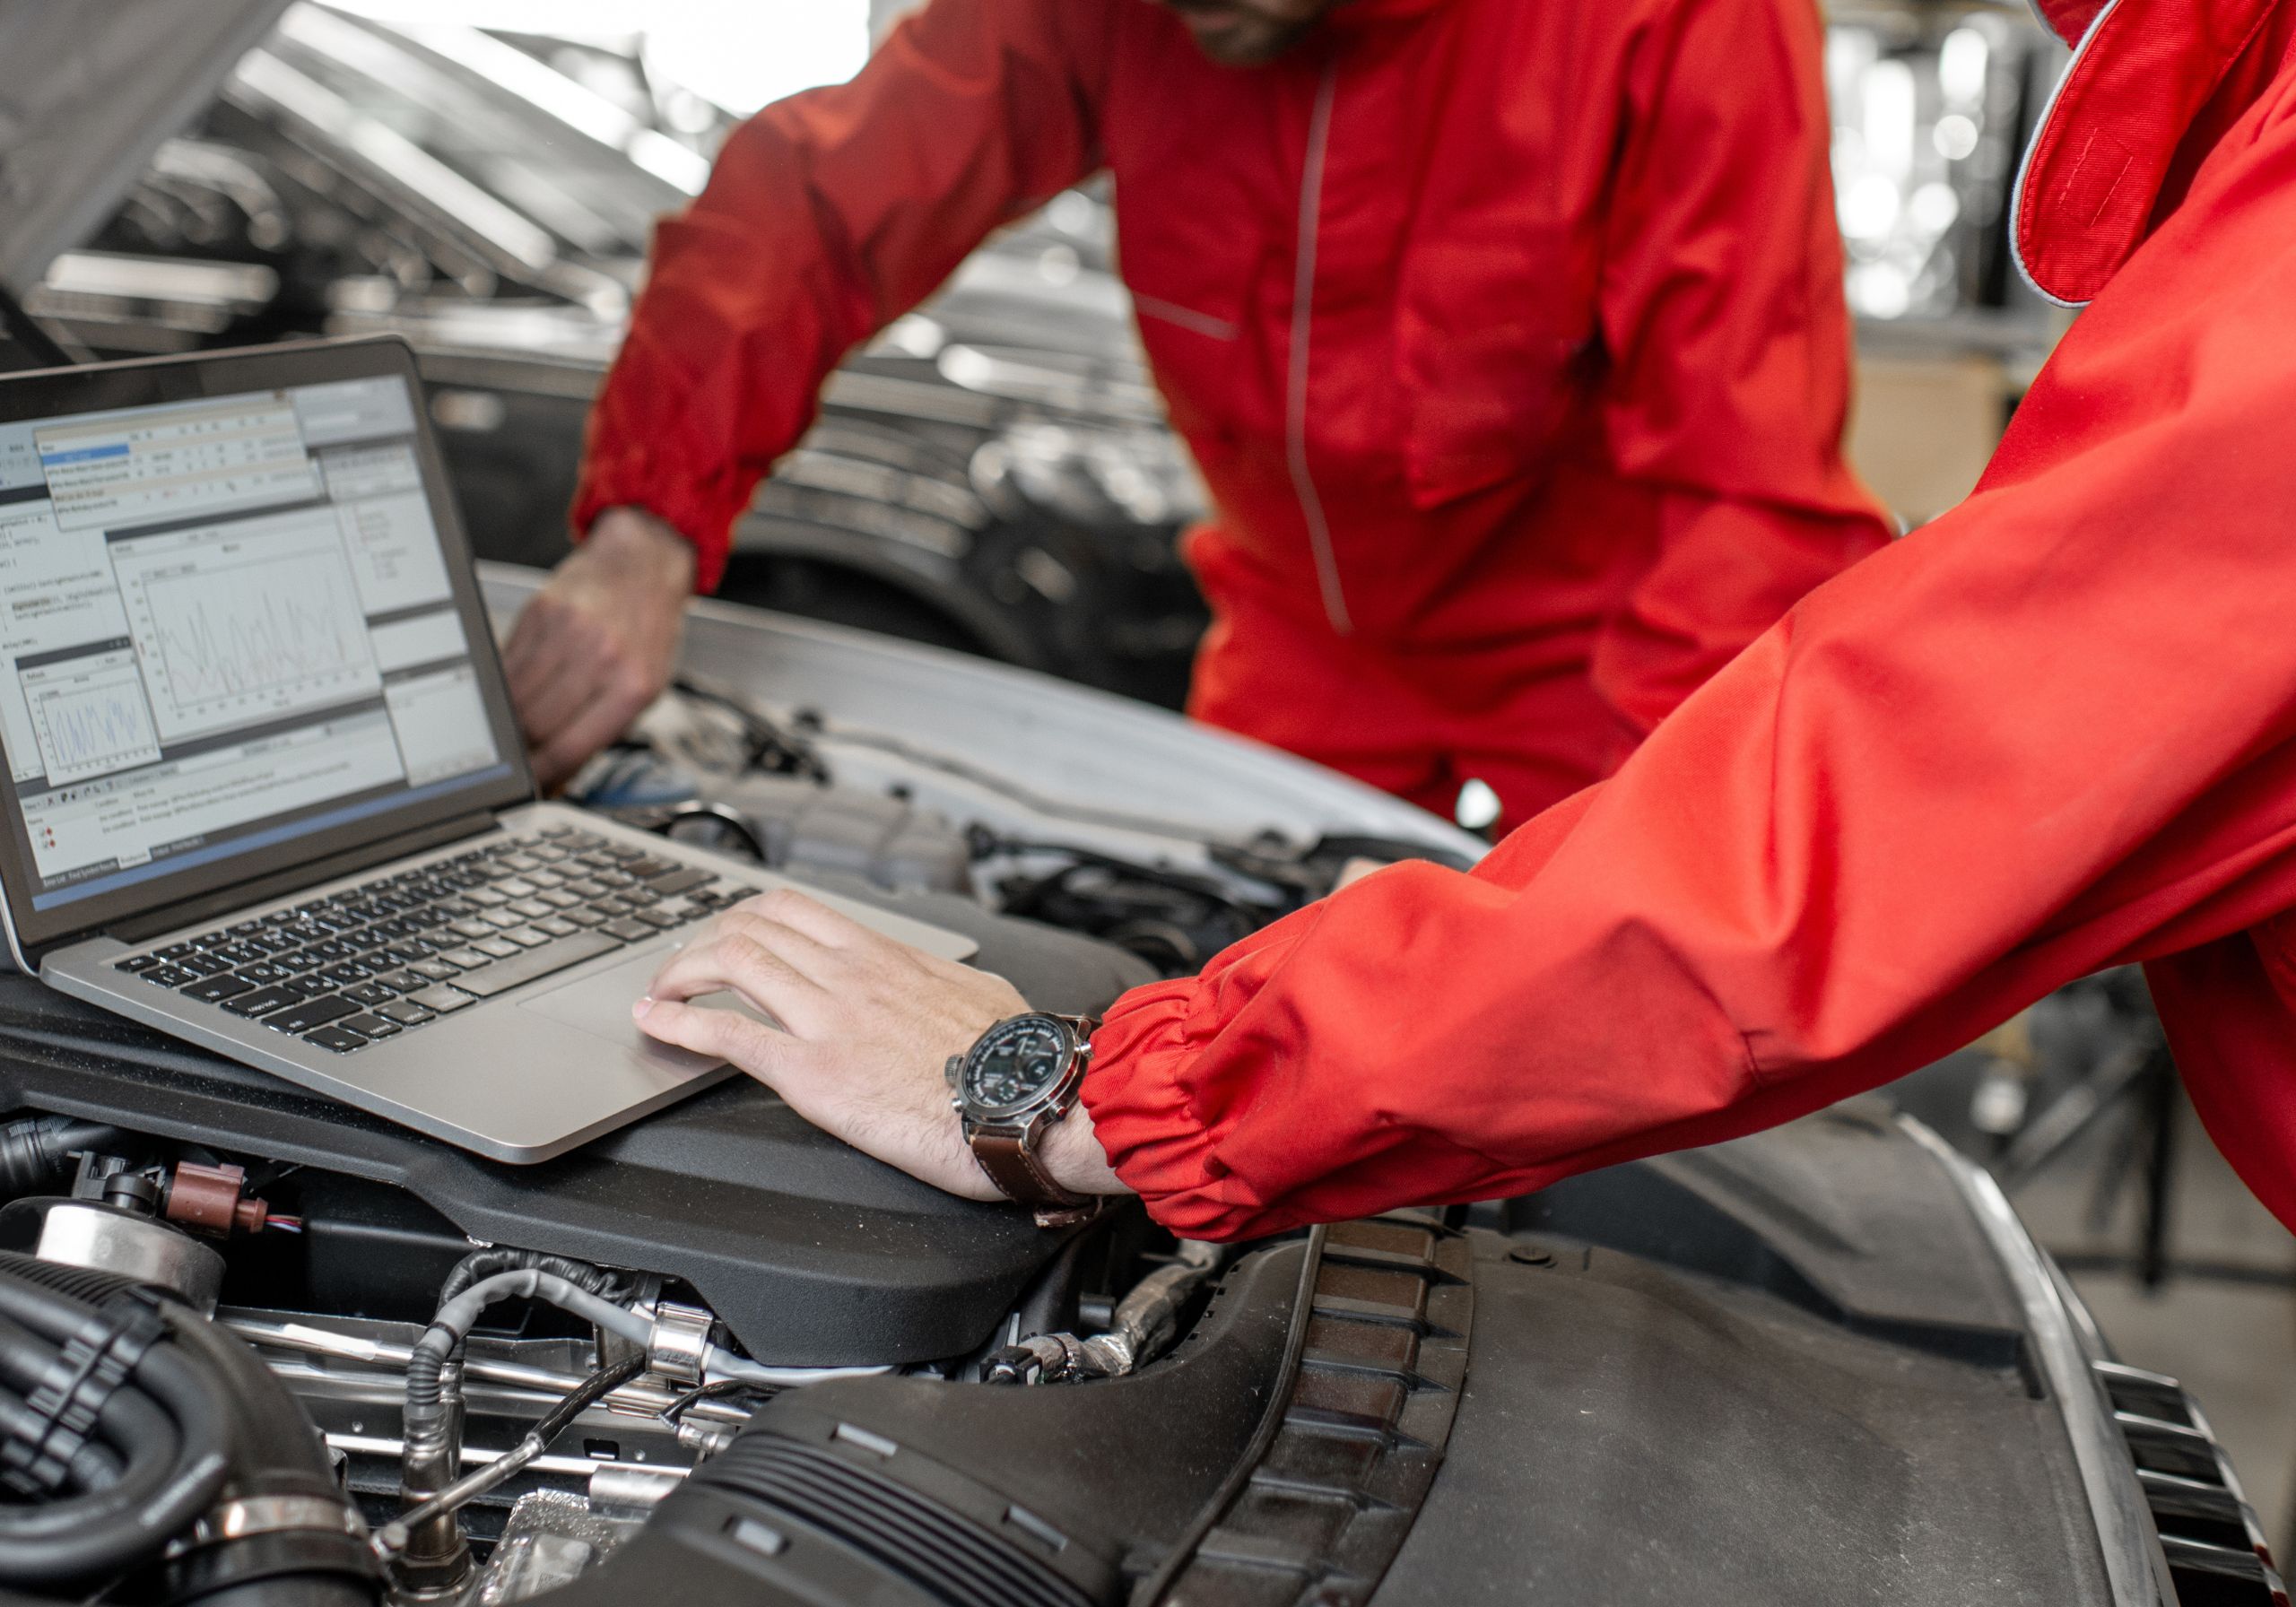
(1011,1166)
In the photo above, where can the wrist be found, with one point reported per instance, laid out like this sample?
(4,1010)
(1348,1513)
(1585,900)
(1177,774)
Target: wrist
(1071,1157)
(645,544)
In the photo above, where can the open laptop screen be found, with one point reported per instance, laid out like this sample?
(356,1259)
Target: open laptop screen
(231,625)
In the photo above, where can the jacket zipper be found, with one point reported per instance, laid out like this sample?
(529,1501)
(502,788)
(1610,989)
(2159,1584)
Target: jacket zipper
(1303,302)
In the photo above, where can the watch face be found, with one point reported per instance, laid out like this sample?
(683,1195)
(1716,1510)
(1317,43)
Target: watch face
(1018,1061)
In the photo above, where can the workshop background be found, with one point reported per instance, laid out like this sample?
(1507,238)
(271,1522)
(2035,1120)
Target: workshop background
(993,473)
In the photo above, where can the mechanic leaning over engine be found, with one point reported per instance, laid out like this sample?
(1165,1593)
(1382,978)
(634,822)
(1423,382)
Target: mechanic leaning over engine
(1509,339)
(2052,732)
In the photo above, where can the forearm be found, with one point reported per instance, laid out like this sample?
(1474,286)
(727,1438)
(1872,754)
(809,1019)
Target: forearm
(826,216)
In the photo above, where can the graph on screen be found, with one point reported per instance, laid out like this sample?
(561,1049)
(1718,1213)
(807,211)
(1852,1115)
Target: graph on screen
(234,631)
(90,715)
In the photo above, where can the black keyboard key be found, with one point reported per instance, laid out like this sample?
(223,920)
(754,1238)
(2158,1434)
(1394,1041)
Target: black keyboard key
(404,982)
(369,1026)
(372,995)
(545,878)
(663,918)
(501,920)
(443,999)
(406,1012)
(336,1039)
(265,973)
(171,975)
(348,975)
(211,940)
(240,953)
(333,951)
(246,929)
(173,951)
(622,851)
(214,990)
(628,931)
(136,962)
(680,881)
(466,959)
(406,951)
(499,948)
(583,917)
(525,937)
(262,1001)
(649,867)
(311,1013)
(532,909)
(202,965)
(518,862)
(307,987)
(556,926)
(516,887)
(472,928)
(485,898)
(298,962)
(535,962)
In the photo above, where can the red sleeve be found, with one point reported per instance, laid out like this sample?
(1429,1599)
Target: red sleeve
(1722,311)
(827,215)
(2055,730)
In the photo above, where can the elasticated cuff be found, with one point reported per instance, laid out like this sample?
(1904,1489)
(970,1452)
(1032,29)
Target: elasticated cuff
(1142,1112)
(694,503)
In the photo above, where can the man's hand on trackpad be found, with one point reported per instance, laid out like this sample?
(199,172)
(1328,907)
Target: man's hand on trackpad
(867,1025)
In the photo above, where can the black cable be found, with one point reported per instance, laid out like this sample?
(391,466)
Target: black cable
(518,1458)
(718,1391)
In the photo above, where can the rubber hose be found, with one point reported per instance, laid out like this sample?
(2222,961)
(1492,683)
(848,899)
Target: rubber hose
(35,1153)
(457,1316)
(486,1263)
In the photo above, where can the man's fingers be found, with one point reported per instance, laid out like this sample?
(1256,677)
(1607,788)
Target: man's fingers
(538,652)
(764,978)
(788,907)
(568,748)
(728,1035)
(807,955)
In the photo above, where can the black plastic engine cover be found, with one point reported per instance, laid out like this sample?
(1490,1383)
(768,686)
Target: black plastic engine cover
(811,1253)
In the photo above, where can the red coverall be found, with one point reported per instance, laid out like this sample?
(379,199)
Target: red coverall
(2052,732)
(1508,337)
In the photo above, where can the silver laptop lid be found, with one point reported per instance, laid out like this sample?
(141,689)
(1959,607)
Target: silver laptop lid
(239,630)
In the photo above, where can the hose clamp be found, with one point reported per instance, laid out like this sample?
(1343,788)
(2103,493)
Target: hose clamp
(679,1346)
(280,1515)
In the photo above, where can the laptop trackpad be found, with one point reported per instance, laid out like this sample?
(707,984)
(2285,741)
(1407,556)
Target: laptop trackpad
(599,1004)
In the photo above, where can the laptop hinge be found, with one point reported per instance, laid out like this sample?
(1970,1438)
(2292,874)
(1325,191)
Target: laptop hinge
(206,906)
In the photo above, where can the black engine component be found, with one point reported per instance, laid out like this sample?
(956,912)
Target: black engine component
(128,1417)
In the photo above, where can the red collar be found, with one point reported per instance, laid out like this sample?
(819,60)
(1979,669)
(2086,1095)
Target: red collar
(2143,72)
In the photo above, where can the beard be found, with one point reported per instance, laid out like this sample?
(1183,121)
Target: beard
(1238,33)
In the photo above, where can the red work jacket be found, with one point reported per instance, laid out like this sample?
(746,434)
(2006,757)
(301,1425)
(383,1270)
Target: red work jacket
(2052,732)
(1510,337)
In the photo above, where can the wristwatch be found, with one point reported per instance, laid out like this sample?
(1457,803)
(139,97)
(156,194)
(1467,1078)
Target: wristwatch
(1010,1088)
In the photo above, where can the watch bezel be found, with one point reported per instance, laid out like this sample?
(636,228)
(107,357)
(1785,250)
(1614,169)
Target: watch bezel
(1046,1097)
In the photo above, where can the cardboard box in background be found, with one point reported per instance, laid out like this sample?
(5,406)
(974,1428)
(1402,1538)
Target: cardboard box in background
(1924,428)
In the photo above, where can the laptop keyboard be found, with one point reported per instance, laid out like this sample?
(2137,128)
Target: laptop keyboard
(394,954)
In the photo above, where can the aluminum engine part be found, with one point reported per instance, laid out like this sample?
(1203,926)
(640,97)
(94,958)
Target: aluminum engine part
(801,825)
(550,1540)
(107,1241)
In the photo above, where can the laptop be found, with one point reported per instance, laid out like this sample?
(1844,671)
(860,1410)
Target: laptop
(264,789)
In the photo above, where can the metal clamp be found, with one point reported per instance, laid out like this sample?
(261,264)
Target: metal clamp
(679,1346)
(280,1515)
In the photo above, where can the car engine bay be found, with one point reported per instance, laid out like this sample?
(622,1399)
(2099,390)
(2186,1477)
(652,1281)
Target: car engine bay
(262,1350)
